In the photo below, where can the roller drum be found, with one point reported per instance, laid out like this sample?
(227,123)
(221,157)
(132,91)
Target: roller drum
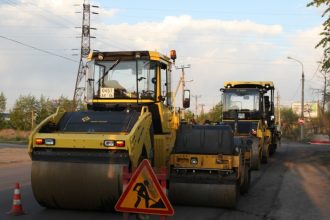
(84,186)
(209,195)
(255,155)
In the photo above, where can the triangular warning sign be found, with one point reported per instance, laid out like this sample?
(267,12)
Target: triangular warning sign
(144,194)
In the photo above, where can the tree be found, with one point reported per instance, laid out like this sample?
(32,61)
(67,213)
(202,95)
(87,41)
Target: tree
(24,109)
(325,41)
(289,121)
(28,106)
(324,90)
(64,103)
(3,101)
(189,116)
(215,113)
(46,107)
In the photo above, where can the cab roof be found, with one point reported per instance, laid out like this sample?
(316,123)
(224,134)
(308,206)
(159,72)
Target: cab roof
(249,84)
(128,55)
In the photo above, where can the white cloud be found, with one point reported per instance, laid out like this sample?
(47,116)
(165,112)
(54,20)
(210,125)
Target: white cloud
(104,13)
(217,50)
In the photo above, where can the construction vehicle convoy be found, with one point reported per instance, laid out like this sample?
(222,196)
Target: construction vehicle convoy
(77,157)
(248,107)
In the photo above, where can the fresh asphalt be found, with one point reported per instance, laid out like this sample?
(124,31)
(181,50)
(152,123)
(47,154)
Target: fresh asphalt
(293,185)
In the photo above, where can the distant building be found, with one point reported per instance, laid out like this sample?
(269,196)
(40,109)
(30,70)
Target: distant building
(311,109)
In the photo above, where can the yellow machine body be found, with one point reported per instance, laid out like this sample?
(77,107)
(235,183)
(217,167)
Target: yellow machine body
(209,166)
(253,115)
(78,157)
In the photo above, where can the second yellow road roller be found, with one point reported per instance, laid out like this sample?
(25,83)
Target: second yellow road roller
(209,166)
(248,107)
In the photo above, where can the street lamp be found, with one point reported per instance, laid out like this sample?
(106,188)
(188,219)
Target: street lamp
(302,97)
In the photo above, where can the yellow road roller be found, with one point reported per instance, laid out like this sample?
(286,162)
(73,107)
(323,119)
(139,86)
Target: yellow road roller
(77,157)
(209,166)
(248,107)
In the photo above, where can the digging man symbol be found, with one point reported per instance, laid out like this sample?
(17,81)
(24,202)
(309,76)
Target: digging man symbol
(142,193)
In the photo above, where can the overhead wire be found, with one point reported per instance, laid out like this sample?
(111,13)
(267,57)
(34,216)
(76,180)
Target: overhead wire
(38,49)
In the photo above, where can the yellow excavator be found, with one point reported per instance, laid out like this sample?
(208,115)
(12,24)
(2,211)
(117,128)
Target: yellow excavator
(248,107)
(77,157)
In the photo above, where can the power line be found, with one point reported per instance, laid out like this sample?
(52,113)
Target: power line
(36,48)
(51,19)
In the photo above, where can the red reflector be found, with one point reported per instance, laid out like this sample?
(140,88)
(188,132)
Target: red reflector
(120,143)
(39,141)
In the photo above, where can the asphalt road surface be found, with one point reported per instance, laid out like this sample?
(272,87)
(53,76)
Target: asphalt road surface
(295,184)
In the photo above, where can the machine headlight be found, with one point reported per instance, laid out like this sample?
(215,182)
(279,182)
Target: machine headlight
(112,143)
(108,143)
(50,141)
(45,141)
(193,160)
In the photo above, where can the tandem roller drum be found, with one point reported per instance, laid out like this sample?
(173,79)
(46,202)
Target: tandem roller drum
(255,155)
(198,194)
(68,185)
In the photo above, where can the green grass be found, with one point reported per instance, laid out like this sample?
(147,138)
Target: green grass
(15,140)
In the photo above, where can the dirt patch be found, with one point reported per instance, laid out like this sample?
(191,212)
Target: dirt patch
(12,156)
(11,134)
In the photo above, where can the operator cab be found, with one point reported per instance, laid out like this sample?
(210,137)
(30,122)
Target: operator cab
(121,78)
(248,102)
(245,102)
(128,80)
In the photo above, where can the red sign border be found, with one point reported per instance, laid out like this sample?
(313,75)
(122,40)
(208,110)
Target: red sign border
(145,163)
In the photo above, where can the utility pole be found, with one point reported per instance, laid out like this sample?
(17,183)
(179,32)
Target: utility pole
(80,86)
(202,106)
(182,67)
(302,98)
(278,109)
(196,103)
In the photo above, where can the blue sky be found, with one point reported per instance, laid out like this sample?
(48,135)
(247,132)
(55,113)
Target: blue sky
(222,40)
(291,14)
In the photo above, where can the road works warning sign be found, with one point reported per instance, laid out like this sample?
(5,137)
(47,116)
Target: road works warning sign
(144,194)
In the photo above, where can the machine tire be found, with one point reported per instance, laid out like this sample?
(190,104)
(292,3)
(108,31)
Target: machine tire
(206,195)
(256,158)
(265,157)
(272,149)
